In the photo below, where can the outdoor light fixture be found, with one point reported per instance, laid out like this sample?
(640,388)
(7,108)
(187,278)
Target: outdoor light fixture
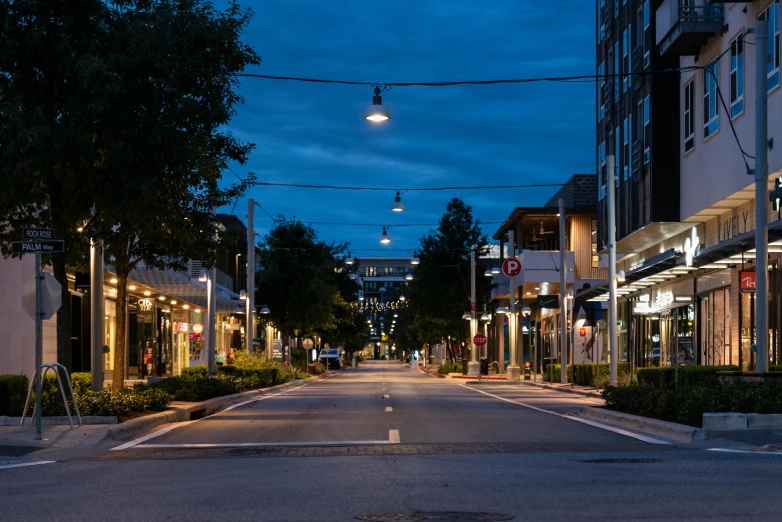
(495,270)
(501,310)
(620,276)
(202,275)
(173,302)
(488,273)
(377,113)
(466,316)
(570,294)
(353,277)
(415,261)
(132,287)
(147,293)
(113,280)
(398,206)
(402,298)
(485,317)
(384,238)
(396,315)
(242,295)
(161,298)
(409,277)
(349,260)
(80,229)
(186,306)
(526,311)
(197,311)
(265,310)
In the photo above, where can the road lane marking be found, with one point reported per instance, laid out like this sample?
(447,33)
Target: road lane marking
(393,436)
(751,452)
(387,396)
(262,444)
(619,431)
(26,464)
(171,427)
(389,408)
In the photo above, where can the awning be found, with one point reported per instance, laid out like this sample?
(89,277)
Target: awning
(731,251)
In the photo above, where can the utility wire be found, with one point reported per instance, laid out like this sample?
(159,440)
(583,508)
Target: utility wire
(391,225)
(417,189)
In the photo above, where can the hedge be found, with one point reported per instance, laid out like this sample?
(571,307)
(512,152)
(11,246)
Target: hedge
(689,375)
(13,392)
(585,373)
(688,404)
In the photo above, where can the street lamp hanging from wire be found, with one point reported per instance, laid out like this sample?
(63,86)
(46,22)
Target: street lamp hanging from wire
(384,238)
(398,206)
(376,112)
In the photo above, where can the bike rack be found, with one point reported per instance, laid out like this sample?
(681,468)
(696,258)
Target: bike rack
(46,368)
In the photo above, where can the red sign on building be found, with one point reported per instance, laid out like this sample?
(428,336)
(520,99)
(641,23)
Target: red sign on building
(582,332)
(748,281)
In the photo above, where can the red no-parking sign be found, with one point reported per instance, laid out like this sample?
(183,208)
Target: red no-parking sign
(511,267)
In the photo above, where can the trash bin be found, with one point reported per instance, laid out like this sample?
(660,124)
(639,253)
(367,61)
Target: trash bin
(484,366)
(431,360)
(464,366)
(527,372)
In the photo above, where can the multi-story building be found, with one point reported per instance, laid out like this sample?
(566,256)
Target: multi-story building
(636,122)
(382,281)
(688,296)
(536,245)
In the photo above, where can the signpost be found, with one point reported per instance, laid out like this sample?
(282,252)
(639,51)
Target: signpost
(511,267)
(46,294)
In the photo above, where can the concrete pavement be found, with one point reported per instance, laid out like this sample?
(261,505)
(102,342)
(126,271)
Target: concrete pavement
(385,442)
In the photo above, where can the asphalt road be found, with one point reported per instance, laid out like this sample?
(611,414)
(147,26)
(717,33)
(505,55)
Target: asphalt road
(385,442)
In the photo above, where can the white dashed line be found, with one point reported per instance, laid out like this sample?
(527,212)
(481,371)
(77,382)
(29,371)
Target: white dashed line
(389,408)
(751,452)
(393,436)
(387,396)
(265,444)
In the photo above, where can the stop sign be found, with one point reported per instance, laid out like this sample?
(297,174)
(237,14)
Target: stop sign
(51,293)
(511,267)
(479,340)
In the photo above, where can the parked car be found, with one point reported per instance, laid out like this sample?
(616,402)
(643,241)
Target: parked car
(330,358)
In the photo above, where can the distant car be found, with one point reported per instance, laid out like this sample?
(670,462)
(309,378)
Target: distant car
(330,358)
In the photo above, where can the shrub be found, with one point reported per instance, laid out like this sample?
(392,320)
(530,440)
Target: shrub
(191,388)
(449,368)
(81,382)
(688,404)
(123,402)
(585,373)
(195,371)
(690,375)
(12,399)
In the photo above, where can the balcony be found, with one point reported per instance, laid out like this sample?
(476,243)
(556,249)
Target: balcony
(684,26)
(607,16)
(638,149)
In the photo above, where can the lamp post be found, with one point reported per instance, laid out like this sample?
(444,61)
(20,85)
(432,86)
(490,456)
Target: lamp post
(211,304)
(514,370)
(250,274)
(562,289)
(474,367)
(525,313)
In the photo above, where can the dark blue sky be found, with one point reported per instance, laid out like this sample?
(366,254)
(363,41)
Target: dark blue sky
(437,136)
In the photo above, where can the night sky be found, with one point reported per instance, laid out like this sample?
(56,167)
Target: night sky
(437,136)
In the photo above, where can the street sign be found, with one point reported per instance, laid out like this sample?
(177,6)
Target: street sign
(51,293)
(479,340)
(46,246)
(38,233)
(511,267)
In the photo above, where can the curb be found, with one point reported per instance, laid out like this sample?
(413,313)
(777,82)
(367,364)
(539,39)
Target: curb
(436,374)
(192,411)
(668,430)
(61,420)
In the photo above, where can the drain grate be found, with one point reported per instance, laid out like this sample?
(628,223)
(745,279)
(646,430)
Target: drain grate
(446,516)
(623,461)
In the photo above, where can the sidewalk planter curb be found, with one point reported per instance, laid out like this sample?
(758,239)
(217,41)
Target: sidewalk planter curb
(724,421)
(668,430)
(87,420)
(759,421)
(565,388)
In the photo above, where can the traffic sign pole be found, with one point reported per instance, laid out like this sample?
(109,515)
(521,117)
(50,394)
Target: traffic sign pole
(38,344)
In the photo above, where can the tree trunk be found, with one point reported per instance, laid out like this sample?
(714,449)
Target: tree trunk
(449,348)
(63,314)
(120,348)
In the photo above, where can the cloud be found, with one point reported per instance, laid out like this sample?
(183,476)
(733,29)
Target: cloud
(461,135)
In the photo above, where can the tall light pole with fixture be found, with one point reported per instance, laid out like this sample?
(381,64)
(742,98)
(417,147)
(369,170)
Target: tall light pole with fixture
(96,313)
(474,367)
(761,192)
(612,318)
(514,370)
(250,274)
(563,338)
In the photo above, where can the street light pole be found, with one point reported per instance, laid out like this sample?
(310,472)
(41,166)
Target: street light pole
(562,293)
(473,368)
(514,371)
(250,274)
(612,318)
(761,193)
(96,313)
(211,313)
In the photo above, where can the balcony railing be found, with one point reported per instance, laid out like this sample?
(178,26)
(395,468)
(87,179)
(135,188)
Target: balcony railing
(638,149)
(607,16)
(684,26)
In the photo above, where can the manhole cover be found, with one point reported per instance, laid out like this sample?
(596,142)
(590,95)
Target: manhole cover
(623,461)
(450,516)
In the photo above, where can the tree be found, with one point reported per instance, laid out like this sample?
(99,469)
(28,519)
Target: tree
(300,279)
(163,140)
(440,292)
(52,87)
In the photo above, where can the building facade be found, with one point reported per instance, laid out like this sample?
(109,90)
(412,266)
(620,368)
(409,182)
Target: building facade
(688,295)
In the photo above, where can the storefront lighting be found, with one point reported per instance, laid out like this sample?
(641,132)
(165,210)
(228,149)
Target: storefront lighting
(396,315)
(620,276)
(398,206)
(161,298)
(202,276)
(402,298)
(485,317)
(113,280)
(173,302)
(197,311)
(132,287)
(147,293)
(186,306)
(242,295)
